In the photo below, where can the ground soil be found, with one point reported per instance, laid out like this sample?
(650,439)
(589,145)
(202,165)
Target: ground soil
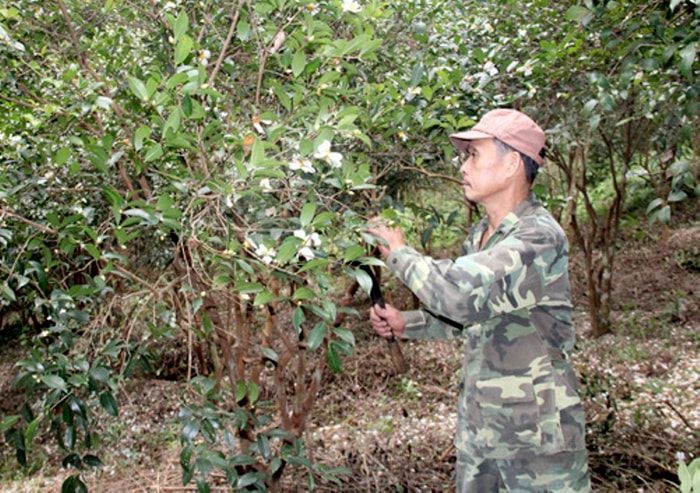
(394,431)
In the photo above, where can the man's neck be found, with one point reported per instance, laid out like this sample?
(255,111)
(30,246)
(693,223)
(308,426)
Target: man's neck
(499,207)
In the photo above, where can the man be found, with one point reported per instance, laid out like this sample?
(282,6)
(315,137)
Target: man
(520,424)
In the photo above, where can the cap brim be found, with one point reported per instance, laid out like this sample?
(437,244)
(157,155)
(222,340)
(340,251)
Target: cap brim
(461,139)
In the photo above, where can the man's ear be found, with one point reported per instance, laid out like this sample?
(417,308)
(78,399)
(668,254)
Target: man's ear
(513,163)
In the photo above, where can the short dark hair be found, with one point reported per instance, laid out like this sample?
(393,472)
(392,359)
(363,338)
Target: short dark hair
(531,166)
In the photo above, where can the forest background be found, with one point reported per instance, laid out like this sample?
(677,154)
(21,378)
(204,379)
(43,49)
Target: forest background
(183,191)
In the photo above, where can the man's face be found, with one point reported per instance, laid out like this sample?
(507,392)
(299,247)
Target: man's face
(482,170)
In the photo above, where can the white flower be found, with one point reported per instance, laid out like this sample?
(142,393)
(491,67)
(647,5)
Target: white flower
(351,6)
(490,68)
(301,164)
(257,125)
(402,136)
(265,254)
(204,56)
(308,241)
(324,152)
(313,239)
(526,69)
(306,253)
(265,185)
(413,92)
(312,8)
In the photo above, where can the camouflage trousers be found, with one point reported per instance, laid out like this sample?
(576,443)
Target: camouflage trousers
(529,473)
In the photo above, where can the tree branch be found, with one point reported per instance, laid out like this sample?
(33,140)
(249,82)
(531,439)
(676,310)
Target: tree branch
(227,42)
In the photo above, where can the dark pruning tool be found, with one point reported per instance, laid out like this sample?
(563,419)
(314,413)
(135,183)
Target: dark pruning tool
(376,298)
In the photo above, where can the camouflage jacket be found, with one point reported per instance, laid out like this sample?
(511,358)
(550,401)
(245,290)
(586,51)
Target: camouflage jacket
(511,304)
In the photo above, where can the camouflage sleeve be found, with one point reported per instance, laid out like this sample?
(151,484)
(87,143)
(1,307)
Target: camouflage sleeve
(420,324)
(510,275)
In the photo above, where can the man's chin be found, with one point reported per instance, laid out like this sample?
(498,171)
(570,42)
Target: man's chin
(468,195)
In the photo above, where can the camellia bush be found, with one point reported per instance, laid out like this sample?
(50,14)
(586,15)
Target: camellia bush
(199,175)
(190,171)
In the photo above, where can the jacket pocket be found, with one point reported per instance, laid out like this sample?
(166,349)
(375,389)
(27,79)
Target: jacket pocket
(507,413)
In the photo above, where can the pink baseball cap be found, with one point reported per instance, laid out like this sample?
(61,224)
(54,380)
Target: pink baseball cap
(512,127)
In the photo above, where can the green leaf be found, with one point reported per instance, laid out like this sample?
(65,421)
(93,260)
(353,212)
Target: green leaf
(282,96)
(69,438)
(318,334)
(677,196)
(92,461)
(345,335)
(270,354)
(307,214)
(109,403)
(362,279)
(141,133)
(417,74)
(684,477)
(577,13)
(62,156)
(333,359)
(154,152)
(248,287)
(8,293)
(303,293)
(208,432)
(182,49)
(241,391)
(263,298)
(353,253)
(298,318)
(317,263)
(355,44)
(54,382)
(181,25)
(589,107)
(243,30)
(189,431)
(31,429)
(173,122)
(654,204)
(98,157)
(8,422)
(248,479)
(74,484)
(253,392)
(92,250)
(257,153)
(298,63)
(688,55)
(138,88)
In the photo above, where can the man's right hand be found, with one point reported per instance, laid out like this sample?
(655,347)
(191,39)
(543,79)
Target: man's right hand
(387,322)
(392,237)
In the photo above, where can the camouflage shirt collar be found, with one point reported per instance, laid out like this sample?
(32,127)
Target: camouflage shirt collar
(511,220)
(524,208)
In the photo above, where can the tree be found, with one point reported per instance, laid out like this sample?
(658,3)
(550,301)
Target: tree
(188,170)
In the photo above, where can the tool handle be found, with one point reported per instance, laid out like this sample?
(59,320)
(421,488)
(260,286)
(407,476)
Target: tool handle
(376,298)
(397,358)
